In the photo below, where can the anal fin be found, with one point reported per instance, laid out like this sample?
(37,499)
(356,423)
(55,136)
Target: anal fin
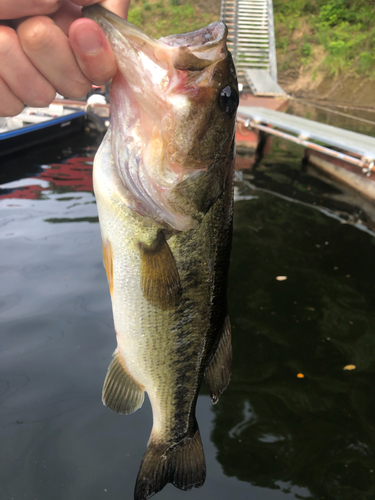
(160,279)
(219,370)
(121,393)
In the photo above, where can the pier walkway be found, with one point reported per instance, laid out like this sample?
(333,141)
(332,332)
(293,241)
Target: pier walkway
(251,39)
(357,149)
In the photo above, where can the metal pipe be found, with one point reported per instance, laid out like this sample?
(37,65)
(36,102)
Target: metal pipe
(272,49)
(367,165)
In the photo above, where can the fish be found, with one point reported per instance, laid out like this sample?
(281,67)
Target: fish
(163,182)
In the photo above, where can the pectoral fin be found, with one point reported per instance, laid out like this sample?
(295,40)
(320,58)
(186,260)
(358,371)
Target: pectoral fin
(121,393)
(218,372)
(160,280)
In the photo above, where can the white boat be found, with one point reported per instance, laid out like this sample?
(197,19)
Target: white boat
(37,125)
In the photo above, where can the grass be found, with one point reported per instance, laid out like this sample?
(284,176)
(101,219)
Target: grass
(345,29)
(166,17)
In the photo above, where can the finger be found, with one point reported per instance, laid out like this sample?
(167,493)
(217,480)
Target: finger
(119,7)
(49,50)
(11,9)
(65,16)
(20,75)
(10,105)
(92,50)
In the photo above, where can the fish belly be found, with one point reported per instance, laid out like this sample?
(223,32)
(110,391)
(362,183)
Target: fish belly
(163,350)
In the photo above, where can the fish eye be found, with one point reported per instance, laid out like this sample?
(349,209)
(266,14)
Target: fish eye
(228,100)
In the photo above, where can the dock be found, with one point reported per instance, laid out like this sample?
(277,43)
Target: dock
(347,156)
(251,40)
(357,149)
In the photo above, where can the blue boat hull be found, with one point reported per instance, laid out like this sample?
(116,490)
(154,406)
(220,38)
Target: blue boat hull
(33,135)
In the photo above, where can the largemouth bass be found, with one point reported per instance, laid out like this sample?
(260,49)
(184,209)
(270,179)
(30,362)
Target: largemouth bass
(163,180)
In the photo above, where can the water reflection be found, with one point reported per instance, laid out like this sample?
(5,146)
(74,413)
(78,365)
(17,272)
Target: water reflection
(272,428)
(74,174)
(274,435)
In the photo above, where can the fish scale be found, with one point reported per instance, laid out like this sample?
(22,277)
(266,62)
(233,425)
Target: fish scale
(163,180)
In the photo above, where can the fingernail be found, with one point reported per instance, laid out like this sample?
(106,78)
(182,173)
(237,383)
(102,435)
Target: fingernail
(89,40)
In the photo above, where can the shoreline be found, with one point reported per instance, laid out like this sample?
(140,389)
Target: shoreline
(346,92)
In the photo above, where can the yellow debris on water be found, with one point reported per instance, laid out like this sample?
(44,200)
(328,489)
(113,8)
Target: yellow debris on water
(281,278)
(300,375)
(349,367)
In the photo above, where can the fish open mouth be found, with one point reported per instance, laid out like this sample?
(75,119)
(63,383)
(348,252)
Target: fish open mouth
(192,51)
(214,33)
(163,106)
(198,49)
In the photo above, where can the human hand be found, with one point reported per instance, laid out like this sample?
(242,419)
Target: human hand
(53,50)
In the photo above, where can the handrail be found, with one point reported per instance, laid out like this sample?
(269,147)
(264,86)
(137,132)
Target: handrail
(365,163)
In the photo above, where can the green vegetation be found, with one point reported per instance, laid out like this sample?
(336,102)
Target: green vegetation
(332,36)
(166,17)
(326,38)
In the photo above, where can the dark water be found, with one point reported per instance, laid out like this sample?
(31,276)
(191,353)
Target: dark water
(273,435)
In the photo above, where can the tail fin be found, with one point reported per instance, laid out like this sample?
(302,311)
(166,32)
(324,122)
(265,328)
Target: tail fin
(181,464)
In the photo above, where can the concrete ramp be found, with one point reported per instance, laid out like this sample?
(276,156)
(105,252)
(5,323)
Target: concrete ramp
(262,84)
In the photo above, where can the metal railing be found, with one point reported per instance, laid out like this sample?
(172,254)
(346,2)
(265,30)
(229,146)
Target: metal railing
(365,161)
(251,34)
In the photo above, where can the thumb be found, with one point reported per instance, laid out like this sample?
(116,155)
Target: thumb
(92,51)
